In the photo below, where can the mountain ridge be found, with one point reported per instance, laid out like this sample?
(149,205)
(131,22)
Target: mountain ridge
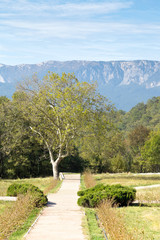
(125,83)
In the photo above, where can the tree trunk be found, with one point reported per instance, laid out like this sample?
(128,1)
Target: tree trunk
(55,170)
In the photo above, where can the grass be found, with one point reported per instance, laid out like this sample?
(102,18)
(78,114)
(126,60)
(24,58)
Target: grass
(132,222)
(13,217)
(149,195)
(55,187)
(42,183)
(5,204)
(90,224)
(133,180)
(17,217)
(95,232)
(113,222)
(18,235)
(130,179)
(89,180)
(142,221)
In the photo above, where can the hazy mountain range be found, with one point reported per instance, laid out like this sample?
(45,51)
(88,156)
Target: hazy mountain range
(125,83)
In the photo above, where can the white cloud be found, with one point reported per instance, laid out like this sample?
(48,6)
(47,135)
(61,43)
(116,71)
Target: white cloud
(2,48)
(74,29)
(92,8)
(24,7)
(77,29)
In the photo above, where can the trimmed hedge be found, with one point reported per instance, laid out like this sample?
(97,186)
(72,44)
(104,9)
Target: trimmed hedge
(120,195)
(16,189)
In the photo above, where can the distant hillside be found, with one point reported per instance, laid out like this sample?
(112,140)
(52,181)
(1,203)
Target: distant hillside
(125,83)
(143,114)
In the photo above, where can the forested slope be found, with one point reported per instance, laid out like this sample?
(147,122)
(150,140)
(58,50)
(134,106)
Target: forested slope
(125,142)
(142,114)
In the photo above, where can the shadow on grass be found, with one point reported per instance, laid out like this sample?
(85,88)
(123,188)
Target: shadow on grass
(141,204)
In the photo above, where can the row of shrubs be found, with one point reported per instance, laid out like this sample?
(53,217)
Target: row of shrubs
(16,189)
(109,217)
(118,194)
(30,198)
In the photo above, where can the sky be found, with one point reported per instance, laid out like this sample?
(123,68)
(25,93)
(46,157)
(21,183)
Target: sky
(35,31)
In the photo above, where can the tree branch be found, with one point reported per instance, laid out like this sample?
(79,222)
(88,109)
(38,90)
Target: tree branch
(49,148)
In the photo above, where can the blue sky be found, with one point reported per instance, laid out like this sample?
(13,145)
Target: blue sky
(42,30)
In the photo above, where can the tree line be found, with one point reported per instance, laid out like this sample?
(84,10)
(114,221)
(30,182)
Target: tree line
(61,124)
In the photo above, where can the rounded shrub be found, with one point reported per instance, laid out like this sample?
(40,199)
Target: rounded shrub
(98,187)
(16,189)
(120,195)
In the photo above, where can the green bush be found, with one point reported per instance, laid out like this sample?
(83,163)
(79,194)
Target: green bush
(118,194)
(16,189)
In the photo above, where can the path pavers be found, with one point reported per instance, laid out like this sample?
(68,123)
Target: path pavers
(62,218)
(5,198)
(149,186)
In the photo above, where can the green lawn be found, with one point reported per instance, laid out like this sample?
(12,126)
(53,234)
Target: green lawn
(148,194)
(19,234)
(128,179)
(45,184)
(144,222)
(4,204)
(42,183)
(92,228)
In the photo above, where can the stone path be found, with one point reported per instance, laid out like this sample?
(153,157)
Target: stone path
(8,198)
(62,218)
(149,186)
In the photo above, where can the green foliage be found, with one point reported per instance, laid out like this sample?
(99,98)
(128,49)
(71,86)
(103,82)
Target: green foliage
(73,163)
(143,114)
(105,150)
(21,155)
(151,153)
(59,110)
(95,232)
(16,189)
(118,194)
(61,121)
(137,137)
(3,102)
(48,119)
(135,126)
(116,153)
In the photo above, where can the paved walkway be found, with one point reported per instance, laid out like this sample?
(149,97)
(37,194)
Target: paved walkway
(149,186)
(62,218)
(5,198)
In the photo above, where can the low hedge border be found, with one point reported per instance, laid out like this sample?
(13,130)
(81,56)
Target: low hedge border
(16,189)
(120,195)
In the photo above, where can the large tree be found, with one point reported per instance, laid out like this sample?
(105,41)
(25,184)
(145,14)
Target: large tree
(3,109)
(137,138)
(150,159)
(58,110)
(21,155)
